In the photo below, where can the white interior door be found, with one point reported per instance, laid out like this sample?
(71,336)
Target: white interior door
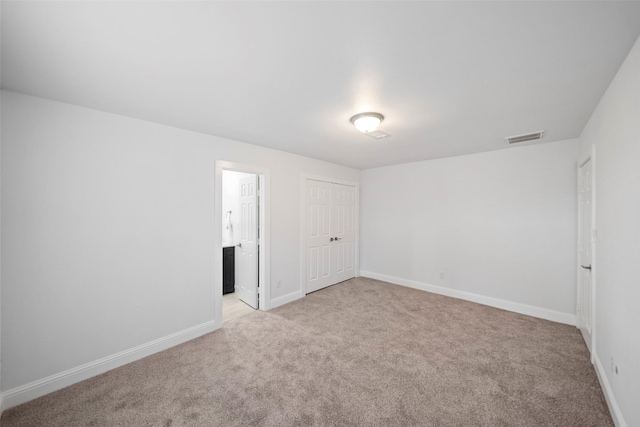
(319,238)
(330,251)
(247,249)
(585,227)
(343,232)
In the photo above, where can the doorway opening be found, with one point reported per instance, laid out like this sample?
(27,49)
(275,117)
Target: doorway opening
(241,241)
(240,247)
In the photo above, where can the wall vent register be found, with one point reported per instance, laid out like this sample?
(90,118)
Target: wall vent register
(525,137)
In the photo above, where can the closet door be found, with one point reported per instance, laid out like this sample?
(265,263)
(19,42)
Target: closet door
(319,237)
(330,235)
(343,232)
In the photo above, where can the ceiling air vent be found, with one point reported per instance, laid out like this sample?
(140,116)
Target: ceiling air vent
(377,134)
(526,137)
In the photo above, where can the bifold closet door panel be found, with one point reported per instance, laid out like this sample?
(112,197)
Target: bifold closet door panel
(344,232)
(330,251)
(319,240)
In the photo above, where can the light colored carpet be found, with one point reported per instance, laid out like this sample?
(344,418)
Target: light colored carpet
(362,353)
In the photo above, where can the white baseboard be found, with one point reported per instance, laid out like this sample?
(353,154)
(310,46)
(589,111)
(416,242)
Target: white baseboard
(618,420)
(35,389)
(530,310)
(277,302)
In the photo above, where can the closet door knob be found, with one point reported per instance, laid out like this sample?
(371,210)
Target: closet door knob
(331,239)
(337,238)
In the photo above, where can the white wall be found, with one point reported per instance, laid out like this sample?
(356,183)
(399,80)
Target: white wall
(614,128)
(231,202)
(500,226)
(108,230)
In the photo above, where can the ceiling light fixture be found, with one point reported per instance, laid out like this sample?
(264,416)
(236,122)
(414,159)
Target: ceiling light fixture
(367,122)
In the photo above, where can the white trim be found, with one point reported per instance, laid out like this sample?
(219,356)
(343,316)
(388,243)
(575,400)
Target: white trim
(578,288)
(303,224)
(594,263)
(616,414)
(303,235)
(264,266)
(356,255)
(292,296)
(1,397)
(35,389)
(516,307)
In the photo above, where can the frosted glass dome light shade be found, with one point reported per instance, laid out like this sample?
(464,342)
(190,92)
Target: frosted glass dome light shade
(367,122)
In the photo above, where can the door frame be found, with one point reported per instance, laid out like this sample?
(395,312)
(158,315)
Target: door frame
(589,157)
(264,256)
(303,224)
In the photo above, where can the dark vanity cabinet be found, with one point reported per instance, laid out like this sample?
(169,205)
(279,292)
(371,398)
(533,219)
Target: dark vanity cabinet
(228,270)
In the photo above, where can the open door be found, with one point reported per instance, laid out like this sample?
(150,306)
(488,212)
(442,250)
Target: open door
(585,296)
(247,249)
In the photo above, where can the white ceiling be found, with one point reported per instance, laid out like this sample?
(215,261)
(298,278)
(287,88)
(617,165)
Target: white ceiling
(450,77)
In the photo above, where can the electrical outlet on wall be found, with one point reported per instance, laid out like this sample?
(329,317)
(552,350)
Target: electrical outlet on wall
(614,367)
(278,283)
(442,274)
